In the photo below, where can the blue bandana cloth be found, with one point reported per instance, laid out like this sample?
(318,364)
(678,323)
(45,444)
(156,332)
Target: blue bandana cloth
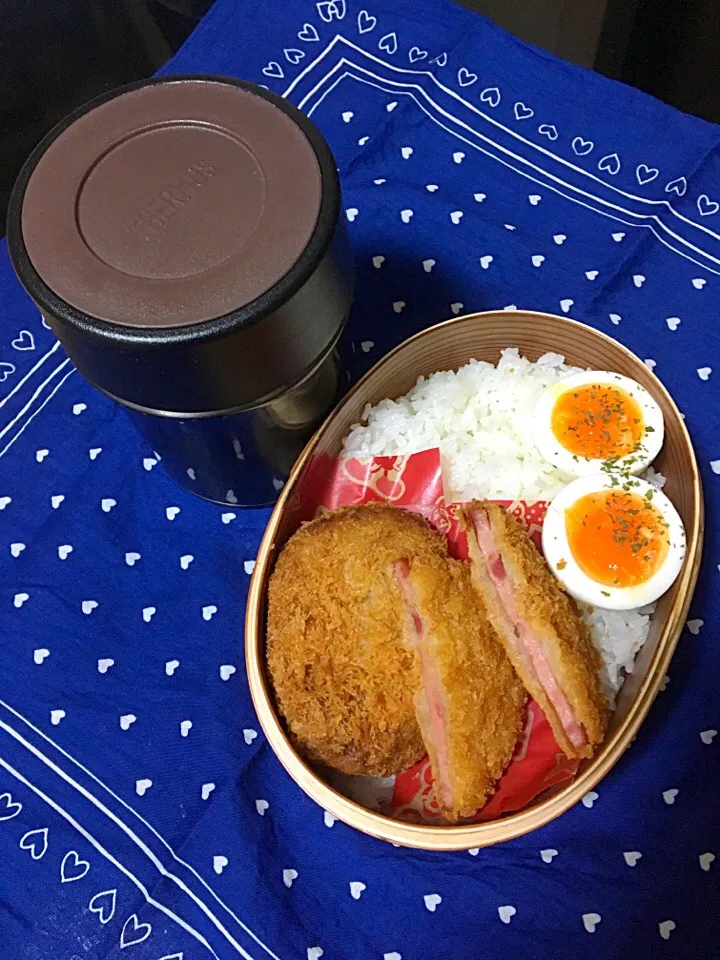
(142,814)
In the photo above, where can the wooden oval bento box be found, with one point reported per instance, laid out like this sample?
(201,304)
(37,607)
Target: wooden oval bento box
(448,346)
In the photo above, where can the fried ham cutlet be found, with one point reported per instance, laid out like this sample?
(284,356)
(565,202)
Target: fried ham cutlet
(343,677)
(540,626)
(470,703)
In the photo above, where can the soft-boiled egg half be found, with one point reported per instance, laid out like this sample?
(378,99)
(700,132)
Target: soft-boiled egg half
(613,543)
(596,420)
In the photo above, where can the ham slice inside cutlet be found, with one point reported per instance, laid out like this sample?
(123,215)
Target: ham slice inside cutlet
(529,647)
(434,705)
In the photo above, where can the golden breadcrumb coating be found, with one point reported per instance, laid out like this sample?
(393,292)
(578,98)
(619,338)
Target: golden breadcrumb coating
(471,704)
(552,616)
(343,677)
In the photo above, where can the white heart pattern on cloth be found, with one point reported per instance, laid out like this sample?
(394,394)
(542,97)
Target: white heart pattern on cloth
(650,363)
(24,341)
(559,238)
(261,806)
(589,799)
(590,921)
(582,147)
(172,512)
(673,323)
(103,904)
(40,455)
(416,54)
(547,856)
(134,932)
(591,274)
(127,720)
(399,306)
(88,606)
(638,280)
(36,841)
(534,199)
(56,716)
(226,671)
(391,106)
(699,283)
(249,735)
(458,156)
(465,78)
(704,372)
(506,913)
(388,43)
(352,213)
(248,566)
(206,790)
(617,237)
(293,55)
(106,505)
(273,69)
(706,206)
(706,860)
(695,626)
(314,953)
(4,501)
(615,318)
(309,33)
(665,928)
(367,345)
(19,599)
(16,549)
(219,864)
(378,262)
(678,186)
(441,61)
(479,197)
(185,727)
(64,551)
(707,736)
(428,265)
(456,307)
(209,611)
(405,215)
(228,517)
(356,889)
(40,655)
(456,216)
(366,22)
(491,96)
(362,141)
(474,851)
(566,304)
(9,808)
(431,187)
(537,260)
(406,152)
(669,796)
(78,408)
(380,180)
(149,463)
(328,819)
(632,857)
(289,876)
(148,613)
(171,666)
(186,560)
(432,901)
(645,174)
(522,111)
(548,130)
(6,370)
(486,261)
(610,164)
(142,786)
(73,867)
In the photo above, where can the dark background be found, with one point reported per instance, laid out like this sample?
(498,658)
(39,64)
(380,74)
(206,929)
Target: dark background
(56,54)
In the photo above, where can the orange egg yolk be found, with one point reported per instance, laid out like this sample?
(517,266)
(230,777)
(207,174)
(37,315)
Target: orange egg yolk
(598,421)
(617,537)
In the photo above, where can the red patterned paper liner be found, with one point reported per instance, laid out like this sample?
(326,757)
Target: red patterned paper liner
(414,482)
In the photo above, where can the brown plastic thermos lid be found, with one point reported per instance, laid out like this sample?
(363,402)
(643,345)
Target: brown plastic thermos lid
(184,238)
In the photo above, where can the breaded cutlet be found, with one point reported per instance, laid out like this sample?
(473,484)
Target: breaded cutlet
(470,703)
(343,678)
(541,627)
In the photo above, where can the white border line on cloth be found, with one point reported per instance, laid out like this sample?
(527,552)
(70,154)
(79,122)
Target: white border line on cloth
(127,830)
(405,87)
(35,412)
(27,376)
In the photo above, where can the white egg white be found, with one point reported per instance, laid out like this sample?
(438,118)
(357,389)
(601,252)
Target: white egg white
(576,466)
(577,583)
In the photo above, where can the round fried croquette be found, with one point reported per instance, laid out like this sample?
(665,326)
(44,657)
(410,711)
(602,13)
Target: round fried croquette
(343,677)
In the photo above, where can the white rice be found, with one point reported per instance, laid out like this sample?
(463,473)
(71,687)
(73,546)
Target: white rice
(480,418)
